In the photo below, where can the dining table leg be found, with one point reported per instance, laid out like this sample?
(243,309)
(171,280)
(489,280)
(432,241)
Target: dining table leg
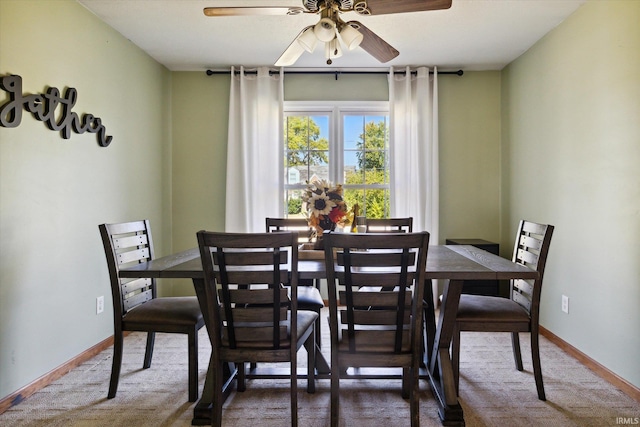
(440,368)
(202,412)
(429,323)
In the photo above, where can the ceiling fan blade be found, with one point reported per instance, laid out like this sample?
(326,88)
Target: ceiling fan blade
(383,7)
(244,11)
(291,53)
(374,45)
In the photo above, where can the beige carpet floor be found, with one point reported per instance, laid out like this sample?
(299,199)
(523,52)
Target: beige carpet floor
(492,392)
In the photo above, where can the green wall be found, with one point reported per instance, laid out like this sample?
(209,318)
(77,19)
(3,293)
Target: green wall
(571,134)
(200,106)
(55,192)
(469,127)
(326,87)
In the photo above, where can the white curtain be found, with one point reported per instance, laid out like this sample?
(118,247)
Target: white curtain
(254,155)
(413,105)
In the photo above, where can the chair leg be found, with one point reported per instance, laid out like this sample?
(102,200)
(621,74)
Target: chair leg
(193,364)
(455,357)
(537,368)
(218,394)
(406,383)
(241,376)
(115,364)
(293,366)
(317,332)
(335,391)
(415,397)
(148,353)
(517,355)
(310,346)
(316,283)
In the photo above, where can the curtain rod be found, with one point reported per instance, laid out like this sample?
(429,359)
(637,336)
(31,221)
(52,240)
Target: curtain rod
(336,73)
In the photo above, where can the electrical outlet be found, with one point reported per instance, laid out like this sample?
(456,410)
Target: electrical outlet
(99,304)
(565,304)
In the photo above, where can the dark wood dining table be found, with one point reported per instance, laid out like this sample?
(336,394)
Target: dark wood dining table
(452,263)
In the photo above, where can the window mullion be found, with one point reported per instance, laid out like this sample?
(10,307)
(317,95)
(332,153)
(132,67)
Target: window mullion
(337,158)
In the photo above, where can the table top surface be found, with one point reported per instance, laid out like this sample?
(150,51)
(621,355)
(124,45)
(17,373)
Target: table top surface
(455,262)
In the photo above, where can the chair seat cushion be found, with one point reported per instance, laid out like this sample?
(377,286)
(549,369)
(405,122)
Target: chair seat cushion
(170,310)
(480,308)
(309,298)
(306,318)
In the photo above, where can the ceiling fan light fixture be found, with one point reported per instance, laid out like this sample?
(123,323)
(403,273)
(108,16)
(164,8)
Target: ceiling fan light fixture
(325,30)
(308,39)
(331,29)
(351,37)
(332,50)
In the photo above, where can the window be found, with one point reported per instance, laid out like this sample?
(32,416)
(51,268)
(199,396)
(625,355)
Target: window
(345,143)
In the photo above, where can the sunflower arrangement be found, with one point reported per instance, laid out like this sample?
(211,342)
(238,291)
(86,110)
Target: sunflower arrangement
(325,206)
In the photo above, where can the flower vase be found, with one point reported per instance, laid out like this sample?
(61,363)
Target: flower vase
(326,225)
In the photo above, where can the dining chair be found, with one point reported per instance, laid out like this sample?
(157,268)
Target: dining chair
(372,327)
(405,225)
(518,313)
(389,225)
(251,317)
(299,225)
(136,306)
(309,296)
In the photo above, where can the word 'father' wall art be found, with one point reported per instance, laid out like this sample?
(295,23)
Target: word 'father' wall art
(44,107)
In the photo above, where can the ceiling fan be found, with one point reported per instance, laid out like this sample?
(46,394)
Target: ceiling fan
(332,30)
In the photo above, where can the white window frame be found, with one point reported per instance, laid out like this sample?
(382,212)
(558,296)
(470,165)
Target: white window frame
(335,110)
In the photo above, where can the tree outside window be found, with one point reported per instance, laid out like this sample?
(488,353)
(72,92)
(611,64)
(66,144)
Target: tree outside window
(366,180)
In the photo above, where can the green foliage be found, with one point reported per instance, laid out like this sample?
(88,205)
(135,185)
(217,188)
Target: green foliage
(294,206)
(371,146)
(372,169)
(303,143)
(305,147)
(374,203)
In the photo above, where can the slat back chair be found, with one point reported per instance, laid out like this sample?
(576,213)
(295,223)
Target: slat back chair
(371,327)
(389,225)
(252,316)
(299,225)
(405,225)
(520,312)
(309,297)
(136,306)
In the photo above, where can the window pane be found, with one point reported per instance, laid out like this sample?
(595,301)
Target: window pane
(377,203)
(293,203)
(366,163)
(373,203)
(353,126)
(353,196)
(306,148)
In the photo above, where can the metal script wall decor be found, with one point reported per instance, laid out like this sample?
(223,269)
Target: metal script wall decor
(44,107)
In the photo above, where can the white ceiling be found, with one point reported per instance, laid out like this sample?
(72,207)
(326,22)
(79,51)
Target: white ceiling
(471,35)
